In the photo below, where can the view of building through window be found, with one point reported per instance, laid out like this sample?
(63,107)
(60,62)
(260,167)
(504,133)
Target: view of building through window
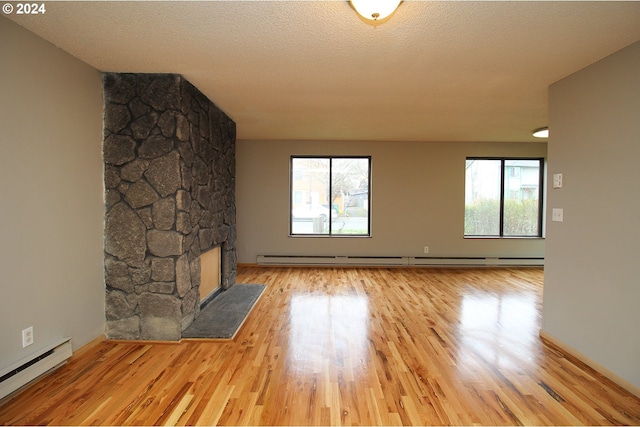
(503,197)
(330,196)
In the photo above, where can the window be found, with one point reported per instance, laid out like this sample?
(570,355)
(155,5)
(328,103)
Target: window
(503,198)
(330,196)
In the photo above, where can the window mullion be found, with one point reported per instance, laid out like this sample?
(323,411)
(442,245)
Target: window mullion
(540,196)
(330,193)
(291,174)
(502,173)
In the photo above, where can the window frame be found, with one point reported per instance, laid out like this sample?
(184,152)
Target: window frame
(501,234)
(330,158)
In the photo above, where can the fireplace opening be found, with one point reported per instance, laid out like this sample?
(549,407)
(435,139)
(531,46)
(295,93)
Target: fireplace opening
(210,275)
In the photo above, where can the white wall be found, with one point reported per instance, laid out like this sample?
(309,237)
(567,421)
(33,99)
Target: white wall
(417,200)
(592,282)
(51,195)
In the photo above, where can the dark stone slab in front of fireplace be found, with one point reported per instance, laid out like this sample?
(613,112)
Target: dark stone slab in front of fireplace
(223,316)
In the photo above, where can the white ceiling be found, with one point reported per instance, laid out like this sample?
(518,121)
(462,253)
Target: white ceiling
(435,71)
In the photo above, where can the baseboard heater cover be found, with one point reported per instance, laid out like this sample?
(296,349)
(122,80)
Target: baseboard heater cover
(478,261)
(396,260)
(26,370)
(329,260)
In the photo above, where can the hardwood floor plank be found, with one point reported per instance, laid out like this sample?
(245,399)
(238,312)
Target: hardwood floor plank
(344,346)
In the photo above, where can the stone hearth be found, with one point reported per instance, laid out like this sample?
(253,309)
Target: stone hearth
(169,159)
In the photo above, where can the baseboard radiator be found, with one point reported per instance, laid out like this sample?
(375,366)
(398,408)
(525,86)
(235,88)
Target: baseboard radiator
(26,370)
(398,261)
(478,261)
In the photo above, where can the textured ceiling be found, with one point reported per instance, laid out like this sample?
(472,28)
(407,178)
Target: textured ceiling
(435,71)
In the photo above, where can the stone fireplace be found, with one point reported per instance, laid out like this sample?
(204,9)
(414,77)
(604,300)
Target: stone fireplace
(169,173)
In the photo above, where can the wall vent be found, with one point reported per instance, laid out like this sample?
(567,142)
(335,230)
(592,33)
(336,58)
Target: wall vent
(26,370)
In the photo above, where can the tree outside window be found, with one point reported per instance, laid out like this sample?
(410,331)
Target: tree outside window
(330,196)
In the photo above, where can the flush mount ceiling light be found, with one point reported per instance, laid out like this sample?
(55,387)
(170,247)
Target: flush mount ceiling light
(375,10)
(541,133)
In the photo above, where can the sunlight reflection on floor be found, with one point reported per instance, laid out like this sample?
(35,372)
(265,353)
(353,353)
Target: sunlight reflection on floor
(500,329)
(327,328)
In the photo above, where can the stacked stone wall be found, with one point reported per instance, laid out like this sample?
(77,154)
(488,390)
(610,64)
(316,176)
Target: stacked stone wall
(169,159)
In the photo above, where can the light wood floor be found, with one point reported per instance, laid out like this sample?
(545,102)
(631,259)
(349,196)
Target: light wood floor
(352,346)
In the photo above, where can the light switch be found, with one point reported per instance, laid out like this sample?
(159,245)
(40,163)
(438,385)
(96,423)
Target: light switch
(557,214)
(557,180)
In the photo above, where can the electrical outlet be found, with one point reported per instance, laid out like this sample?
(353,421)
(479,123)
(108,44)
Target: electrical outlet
(27,337)
(426,249)
(557,214)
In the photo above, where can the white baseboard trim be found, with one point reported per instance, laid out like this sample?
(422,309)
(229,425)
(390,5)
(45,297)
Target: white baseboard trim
(555,342)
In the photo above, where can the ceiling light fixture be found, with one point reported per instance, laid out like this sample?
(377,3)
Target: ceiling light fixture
(375,10)
(541,133)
